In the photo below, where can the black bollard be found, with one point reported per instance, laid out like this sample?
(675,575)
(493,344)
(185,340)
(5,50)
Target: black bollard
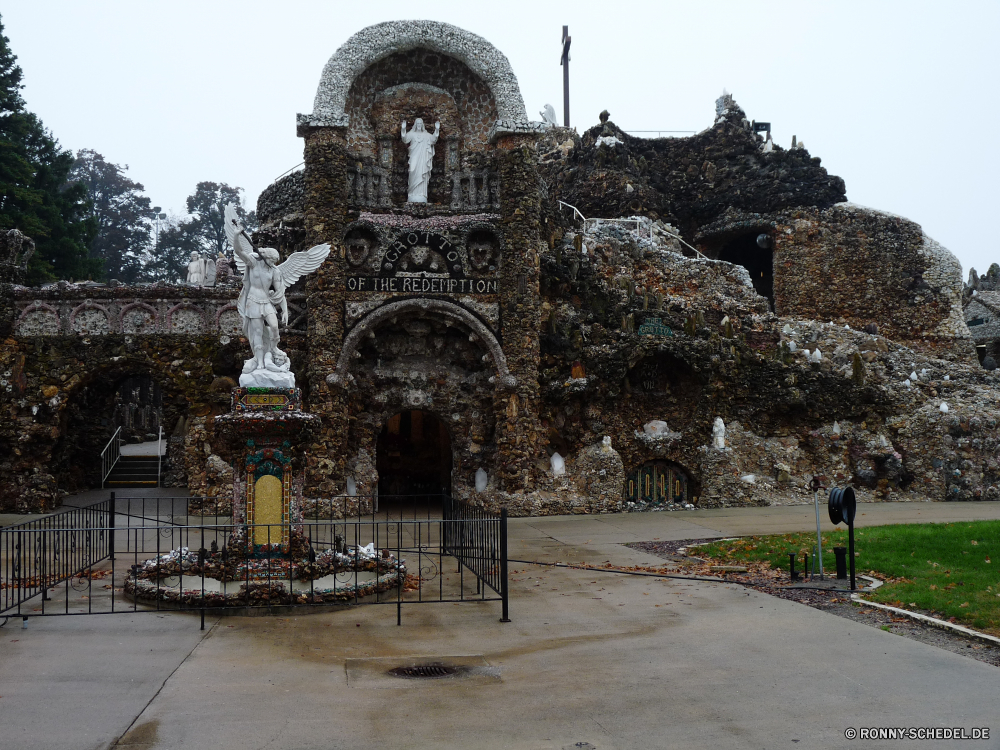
(843,507)
(791,566)
(841,554)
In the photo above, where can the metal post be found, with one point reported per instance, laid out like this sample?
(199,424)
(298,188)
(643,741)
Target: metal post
(564,61)
(815,484)
(159,460)
(819,536)
(505,617)
(850,548)
(111,528)
(399,582)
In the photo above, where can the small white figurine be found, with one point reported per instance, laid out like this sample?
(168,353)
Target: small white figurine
(196,270)
(719,434)
(549,115)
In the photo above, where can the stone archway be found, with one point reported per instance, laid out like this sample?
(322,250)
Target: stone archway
(372,44)
(439,308)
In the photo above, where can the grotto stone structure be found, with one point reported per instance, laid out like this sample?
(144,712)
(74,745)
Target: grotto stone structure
(598,296)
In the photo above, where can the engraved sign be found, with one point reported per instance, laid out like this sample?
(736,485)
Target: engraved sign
(421,285)
(654,327)
(270,399)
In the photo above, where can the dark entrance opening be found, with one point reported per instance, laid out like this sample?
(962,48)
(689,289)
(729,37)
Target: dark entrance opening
(754,253)
(413,459)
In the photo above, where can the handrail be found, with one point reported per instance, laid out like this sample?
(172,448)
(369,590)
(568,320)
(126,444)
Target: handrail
(596,223)
(108,460)
(690,132)
(575,210)
(286,172)
(159,455)
(681,240)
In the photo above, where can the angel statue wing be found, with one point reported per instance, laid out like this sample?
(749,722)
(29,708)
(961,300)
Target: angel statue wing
(299,264)
(234,233)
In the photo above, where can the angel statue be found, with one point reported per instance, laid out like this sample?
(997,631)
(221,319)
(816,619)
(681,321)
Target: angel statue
(264,284)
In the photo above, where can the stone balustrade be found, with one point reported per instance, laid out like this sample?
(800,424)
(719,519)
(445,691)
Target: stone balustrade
(369,186)
(89,310)
(474,189)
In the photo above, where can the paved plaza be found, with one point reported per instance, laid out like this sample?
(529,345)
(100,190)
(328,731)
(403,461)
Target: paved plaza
(610,660)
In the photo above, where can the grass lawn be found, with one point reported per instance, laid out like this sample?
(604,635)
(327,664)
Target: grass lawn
(945,569)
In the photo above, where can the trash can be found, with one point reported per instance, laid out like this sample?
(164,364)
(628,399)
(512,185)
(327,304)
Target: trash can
(841,554)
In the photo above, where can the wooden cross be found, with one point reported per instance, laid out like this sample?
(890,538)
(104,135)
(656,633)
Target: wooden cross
(564,61)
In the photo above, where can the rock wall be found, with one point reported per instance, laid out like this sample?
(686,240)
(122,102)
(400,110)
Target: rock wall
(688,182)
(857,266)
(283,199)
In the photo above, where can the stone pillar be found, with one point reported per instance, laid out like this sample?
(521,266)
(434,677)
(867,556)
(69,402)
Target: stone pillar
(518,431)
(326,213)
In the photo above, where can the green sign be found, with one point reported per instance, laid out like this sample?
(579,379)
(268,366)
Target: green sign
(654,327)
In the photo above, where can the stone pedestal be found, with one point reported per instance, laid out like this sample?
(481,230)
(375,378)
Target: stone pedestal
(264,434)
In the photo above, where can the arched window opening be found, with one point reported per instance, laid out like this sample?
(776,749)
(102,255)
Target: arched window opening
(755,253)
(658,483)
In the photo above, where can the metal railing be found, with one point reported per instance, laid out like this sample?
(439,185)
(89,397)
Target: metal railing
(592,225)
(82,562)
(111,454)
(659,133)
(42,553)
(589,225)
(477,539)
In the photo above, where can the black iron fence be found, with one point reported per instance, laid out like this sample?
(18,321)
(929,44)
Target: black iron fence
(477,539)
(160,558)
(40,554)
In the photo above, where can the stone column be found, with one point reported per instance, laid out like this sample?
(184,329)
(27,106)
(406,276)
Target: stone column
(518,431)
(326,216)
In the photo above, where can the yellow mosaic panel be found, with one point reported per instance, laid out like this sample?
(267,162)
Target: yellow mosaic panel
(267,509)
(265,399)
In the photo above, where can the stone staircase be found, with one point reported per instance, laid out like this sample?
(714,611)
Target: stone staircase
(134,471)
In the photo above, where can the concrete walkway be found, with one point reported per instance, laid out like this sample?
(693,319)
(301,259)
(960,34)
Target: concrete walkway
(610,660)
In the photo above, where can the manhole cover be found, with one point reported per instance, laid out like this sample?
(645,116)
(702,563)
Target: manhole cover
(424,670)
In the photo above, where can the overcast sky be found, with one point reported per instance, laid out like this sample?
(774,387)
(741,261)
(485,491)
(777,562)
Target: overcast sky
(898,98)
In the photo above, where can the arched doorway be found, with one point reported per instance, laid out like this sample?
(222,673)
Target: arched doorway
(413,459)
(658,483)
(754,252)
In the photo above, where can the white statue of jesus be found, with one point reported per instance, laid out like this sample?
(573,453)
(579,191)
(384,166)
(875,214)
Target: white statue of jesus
(421,145)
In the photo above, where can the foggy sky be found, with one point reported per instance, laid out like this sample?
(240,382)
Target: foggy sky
(898,98)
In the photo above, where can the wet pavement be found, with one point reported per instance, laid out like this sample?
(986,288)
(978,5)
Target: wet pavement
(609,660)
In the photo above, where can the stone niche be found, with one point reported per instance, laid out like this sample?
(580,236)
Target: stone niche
(361,249)
(408,102)
(428,79)
(482,248)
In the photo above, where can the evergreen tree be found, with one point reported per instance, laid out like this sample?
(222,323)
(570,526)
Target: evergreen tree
(122,213)
(34,196)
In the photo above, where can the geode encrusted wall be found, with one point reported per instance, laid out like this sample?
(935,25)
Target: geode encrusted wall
(859,266)
(489,329)
(71,349)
